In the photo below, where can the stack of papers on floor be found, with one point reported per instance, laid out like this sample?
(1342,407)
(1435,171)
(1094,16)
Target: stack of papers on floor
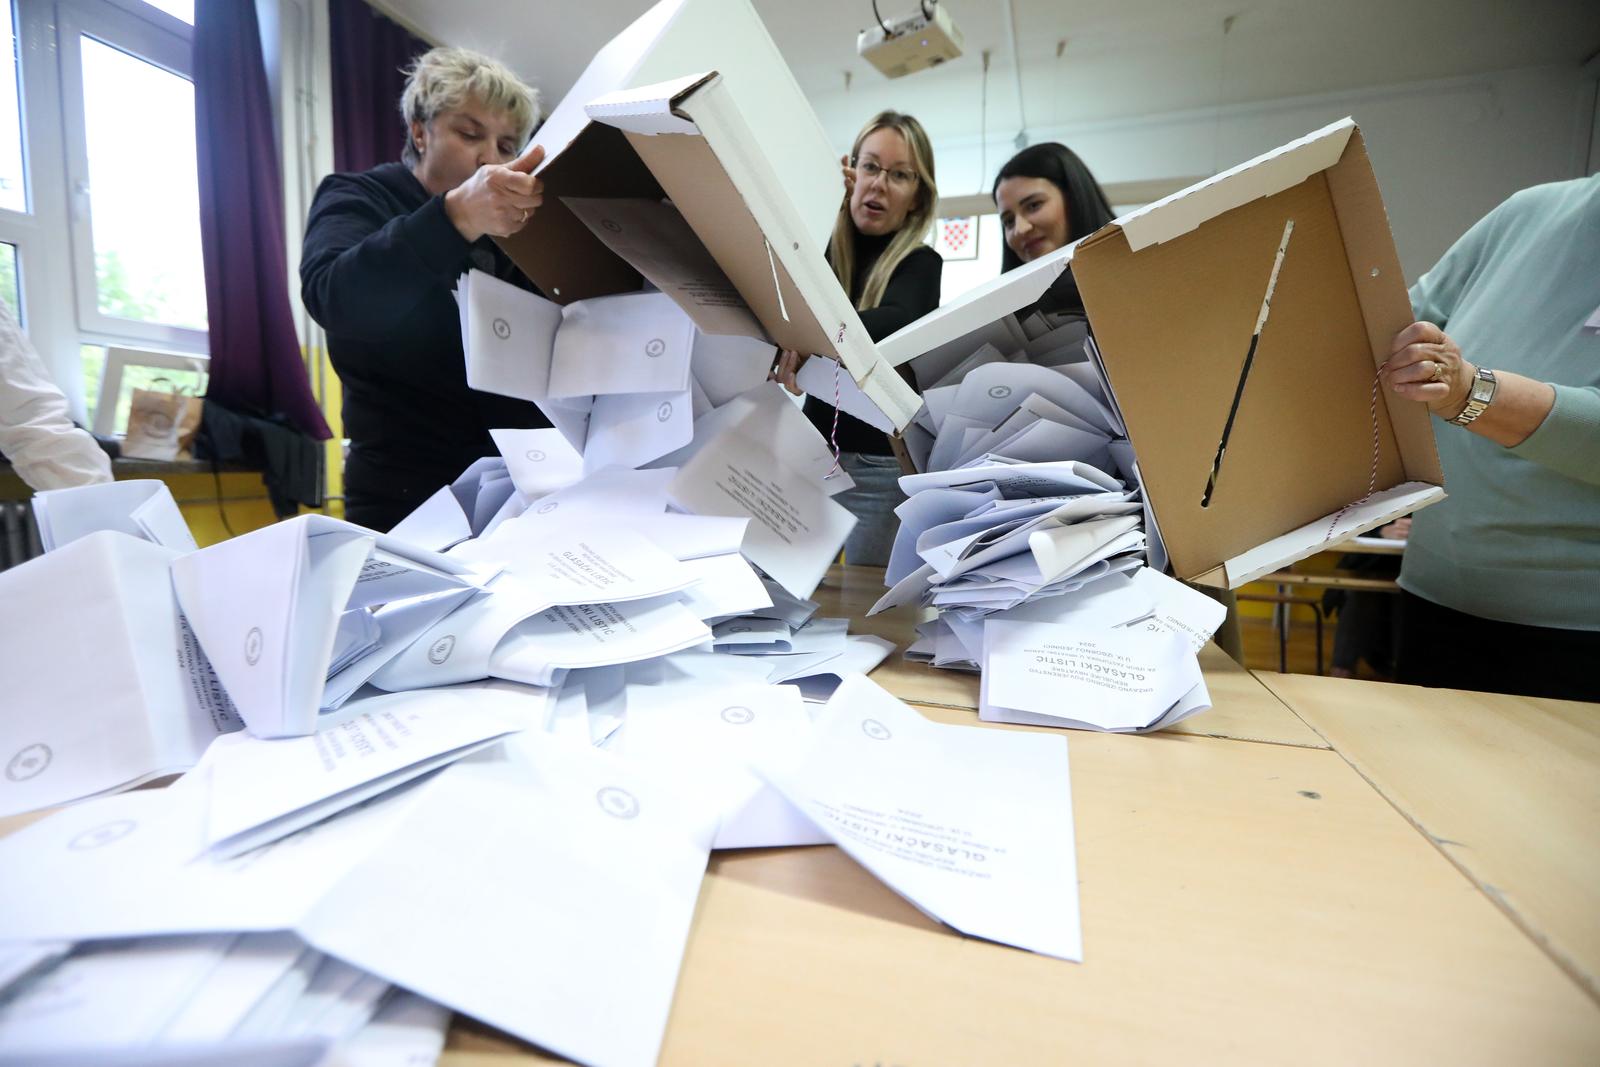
(1027,532)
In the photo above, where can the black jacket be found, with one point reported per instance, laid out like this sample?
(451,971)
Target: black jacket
(912,292)
(377,270)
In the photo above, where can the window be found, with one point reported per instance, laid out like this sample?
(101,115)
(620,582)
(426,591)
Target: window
(99,198)
(129,118)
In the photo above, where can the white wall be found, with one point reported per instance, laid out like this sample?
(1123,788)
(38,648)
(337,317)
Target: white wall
(1445,151)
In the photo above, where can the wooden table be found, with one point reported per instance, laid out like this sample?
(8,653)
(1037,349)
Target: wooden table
(1507,788)
(1247,896)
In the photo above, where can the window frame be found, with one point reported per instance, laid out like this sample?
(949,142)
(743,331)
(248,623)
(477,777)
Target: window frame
(163,41)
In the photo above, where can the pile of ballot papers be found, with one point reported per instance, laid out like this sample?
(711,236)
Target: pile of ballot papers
(1027,531)
(476,763)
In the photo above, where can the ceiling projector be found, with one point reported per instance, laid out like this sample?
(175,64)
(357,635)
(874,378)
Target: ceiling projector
(925,38)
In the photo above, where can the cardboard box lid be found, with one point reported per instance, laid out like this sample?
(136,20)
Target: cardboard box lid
(1175,292)
(673,38)
(692,135)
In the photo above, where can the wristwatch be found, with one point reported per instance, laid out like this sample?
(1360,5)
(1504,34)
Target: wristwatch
(1482,394)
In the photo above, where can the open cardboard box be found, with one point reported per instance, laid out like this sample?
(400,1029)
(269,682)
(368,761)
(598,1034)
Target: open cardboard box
(1174,293)
(693,104)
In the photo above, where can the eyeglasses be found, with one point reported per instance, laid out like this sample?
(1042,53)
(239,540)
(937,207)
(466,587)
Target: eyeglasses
(870,169)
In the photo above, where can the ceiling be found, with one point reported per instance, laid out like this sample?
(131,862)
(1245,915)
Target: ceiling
(1119,57)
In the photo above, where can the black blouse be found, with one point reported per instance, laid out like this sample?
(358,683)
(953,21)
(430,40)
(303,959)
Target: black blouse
(912,292)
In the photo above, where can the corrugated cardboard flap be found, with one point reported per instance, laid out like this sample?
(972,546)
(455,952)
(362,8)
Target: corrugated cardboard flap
(1254,416)
(1271,173)
(976,309)
(709,168)
(1322,534)
(648,109)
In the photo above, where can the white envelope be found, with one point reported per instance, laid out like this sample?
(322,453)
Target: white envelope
(265,606)
(106,687)
(141,508)
(973,826)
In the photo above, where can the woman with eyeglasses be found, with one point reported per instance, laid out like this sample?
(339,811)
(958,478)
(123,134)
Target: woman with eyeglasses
(880,258)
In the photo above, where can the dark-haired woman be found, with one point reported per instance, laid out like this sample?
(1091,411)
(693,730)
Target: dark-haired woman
(1048,198)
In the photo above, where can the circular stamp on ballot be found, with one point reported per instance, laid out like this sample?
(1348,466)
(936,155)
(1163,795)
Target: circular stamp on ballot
(611,226)
(440,650)
(28,763)
(1000,392)
(534,455)
(253,643)
(875,730)
(655,348)
(102,835)
(617,802)
(547,507)
(502,329)
(737,715)
(664,412)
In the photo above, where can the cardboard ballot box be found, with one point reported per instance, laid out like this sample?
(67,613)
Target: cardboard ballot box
(1240,324)
(686,155)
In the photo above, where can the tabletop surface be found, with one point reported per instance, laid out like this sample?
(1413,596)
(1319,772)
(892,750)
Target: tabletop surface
(1507,787)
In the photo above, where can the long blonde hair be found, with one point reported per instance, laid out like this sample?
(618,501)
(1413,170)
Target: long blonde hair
(842,248)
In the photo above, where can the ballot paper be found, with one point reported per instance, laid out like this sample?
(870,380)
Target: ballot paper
(796,531)
(568,637)
(862,653)
(140,507)
(610,931)
(709,742)
(106,686)
(399,626)
(551,567)
(263,790)
(769,414)
(585,963)
(824,378)
(265,607)
(539,461)
(1117,679)
(724,586)
(972,826)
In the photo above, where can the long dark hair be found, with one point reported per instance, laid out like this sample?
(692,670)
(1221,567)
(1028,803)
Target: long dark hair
(1087,206)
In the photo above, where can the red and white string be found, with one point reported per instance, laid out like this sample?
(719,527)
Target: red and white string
(1372,477)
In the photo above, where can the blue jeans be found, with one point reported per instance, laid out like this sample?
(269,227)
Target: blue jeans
(872,501)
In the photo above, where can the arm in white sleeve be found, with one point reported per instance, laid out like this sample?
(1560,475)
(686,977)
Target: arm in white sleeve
(36,432)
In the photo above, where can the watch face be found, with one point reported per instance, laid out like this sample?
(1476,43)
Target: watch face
(1482,389)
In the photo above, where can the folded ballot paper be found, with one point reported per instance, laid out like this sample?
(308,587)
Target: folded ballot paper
(106,685)
(267,607)
(972,826)
(259,1000)
(571,955)
(141,508)
(615,375)
(570,596)
(261,790)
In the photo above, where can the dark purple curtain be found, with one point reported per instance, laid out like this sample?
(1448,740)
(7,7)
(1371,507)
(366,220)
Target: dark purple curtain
(369,53)
(255,355)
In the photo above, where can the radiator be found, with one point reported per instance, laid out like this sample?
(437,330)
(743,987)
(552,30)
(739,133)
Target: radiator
(19,537)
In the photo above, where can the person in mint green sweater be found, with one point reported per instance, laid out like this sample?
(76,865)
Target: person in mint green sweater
(1500,588)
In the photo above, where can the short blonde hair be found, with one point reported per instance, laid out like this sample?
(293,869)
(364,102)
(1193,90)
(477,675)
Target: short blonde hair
(445,78)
